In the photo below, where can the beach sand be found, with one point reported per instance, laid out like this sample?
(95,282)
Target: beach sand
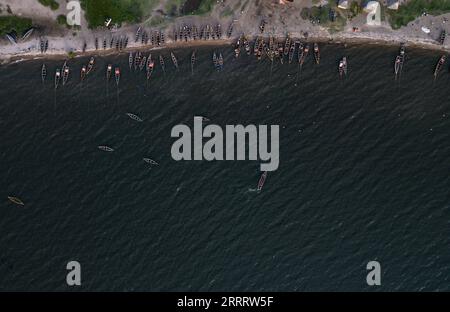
(281,20)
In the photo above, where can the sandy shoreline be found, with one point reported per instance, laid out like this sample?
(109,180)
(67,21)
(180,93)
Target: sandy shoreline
(336,39)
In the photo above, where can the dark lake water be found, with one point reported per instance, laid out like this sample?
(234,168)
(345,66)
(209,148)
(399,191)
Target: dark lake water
(363,175)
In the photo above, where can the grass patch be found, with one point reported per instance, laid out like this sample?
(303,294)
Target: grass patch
(97,11)
(14,23)
(414,8)
(322,16)
(50,3)
(205,7)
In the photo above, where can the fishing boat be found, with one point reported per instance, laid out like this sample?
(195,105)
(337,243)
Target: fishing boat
(174,60)
(192,62)
(220,61)
(162,63)
(150,161)
(108,72)
(117,75)
(237,50)
(300,52)
(105,148)
(304,54)
(262,180)
(215,61)
(142,63)
(150,66)
(343,67)
(66,72)
(291,52)
(57,77)
(90,65)
(83,73)
(398,62)
(316,53)
(137,60)
(134,117)
(402,56)
(16,200)
(246,45)
(130,60)
(43,73)
(439,65)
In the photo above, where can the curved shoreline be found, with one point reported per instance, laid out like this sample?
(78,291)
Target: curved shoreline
(385,40)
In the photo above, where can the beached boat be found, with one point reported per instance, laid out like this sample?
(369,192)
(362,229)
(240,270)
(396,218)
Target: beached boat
(16,200)
(291,52)
(442,37)
(343,67)
(174,60)
(27,33)
(316,53)
(108,72)
(138,34)
(219,31)
(90,65)
(117,75)
(262,26)
(130,60)
(192,62)
(105,148)
(43,73)
(45,45)
(57,78)
(83,73)
(262,180)
(150,161)
(111,42)
(287,44)
(104,44)
(41,42)
(230,29)
(96,43)
(439,65)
